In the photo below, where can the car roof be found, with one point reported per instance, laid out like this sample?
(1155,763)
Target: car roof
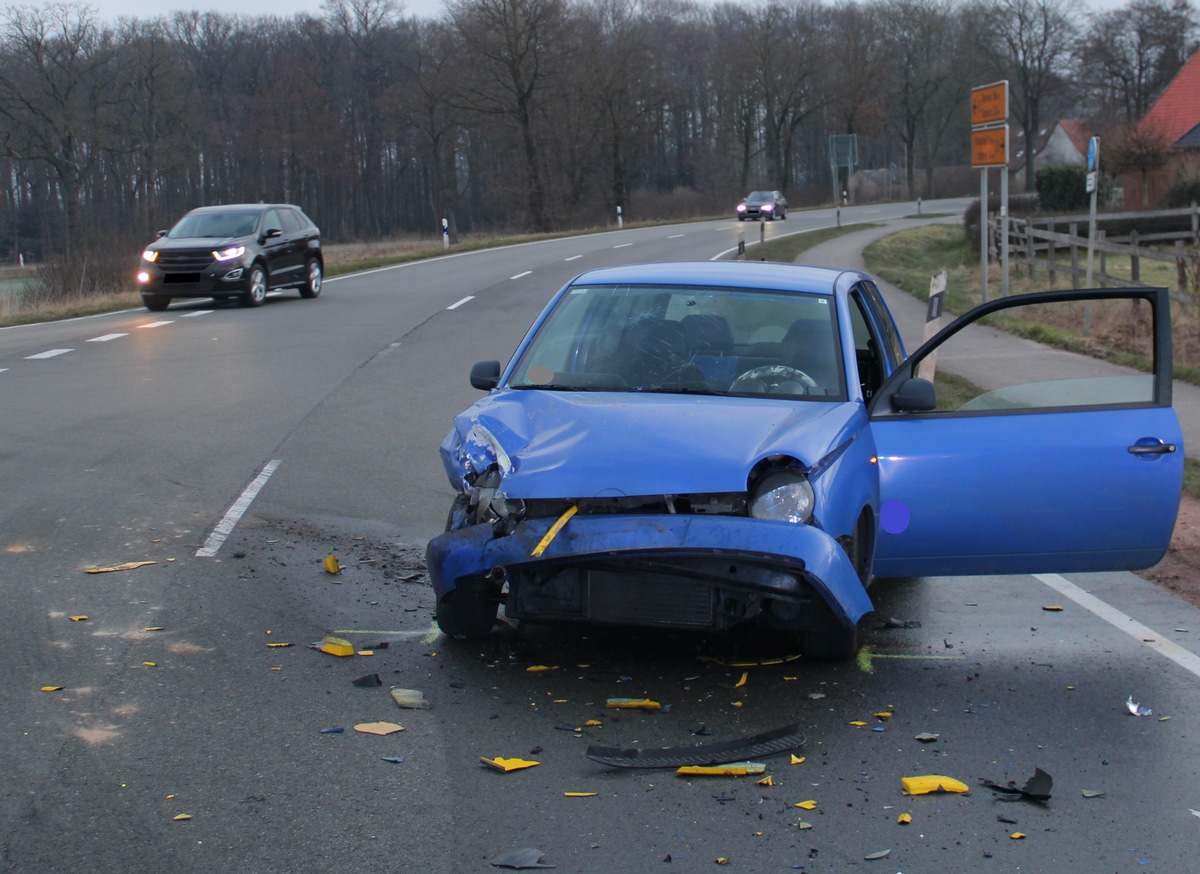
(222,207)
(772,275)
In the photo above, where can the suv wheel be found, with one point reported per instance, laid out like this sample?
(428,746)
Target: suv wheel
(156,303)
(256,287)
(312,279)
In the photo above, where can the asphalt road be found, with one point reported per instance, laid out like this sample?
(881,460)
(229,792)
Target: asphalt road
(311,427)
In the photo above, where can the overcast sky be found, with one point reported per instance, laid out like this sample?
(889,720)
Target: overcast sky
(110,10)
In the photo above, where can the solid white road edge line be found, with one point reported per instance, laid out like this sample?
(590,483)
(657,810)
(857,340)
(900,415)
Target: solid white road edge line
(239,508)
(1187,660)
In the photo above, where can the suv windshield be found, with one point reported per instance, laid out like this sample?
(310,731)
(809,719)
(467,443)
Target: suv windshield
(215,224)
(720,341)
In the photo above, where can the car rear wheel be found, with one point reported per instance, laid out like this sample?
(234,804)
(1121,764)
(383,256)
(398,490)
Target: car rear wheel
(156,303)
(256,287)
(312,279)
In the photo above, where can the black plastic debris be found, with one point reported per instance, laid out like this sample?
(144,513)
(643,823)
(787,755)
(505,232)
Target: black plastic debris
(768,743)
(368,680)
(395,760)
(1036,788)
(337,729)
(525,857)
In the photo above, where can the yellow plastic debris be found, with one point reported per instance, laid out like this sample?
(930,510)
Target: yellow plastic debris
(767,781)
(553,532)
(806,805)
(181,817)
(580,794)
(723,860)
(1017,836)
(78,618)
(409,699)
(734,769)
(502,764)
(592,723)
(633,704)
(904,818)
(924,785)
(798,760)
(1051,608)
(858,722)
(127,566)
(742,682)
(380,728)
(332,565)
(539,669)
(52,688)
(277,645)
(150,664)
(883,714)
(337,646)
(153,628)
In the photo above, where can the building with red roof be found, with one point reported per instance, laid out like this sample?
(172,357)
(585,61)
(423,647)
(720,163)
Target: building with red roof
(1173,120)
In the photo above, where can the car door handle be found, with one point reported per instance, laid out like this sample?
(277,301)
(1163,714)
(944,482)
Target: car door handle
(1159,448)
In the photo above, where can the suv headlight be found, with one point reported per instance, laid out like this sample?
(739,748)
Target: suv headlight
(783,496)
(230,253)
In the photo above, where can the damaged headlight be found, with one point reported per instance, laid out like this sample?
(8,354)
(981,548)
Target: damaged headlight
(783,496)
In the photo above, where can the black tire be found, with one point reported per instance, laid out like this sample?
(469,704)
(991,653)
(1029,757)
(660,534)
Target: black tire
(313,278)
(156,303)
(469,611)
(833,643)
(256,287)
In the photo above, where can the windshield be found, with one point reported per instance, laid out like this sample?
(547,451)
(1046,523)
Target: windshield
(216,224)
(682,339)
(759,197)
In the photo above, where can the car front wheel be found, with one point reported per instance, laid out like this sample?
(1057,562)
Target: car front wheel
(312,279)
(256,287)
(469,611)
(156,303)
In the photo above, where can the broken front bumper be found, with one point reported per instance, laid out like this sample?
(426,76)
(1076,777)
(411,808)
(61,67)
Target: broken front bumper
(667,570)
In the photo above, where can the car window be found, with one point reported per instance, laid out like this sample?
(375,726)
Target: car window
(891,345)
(272,221)
(979,369)
(291,221)
(686,339)
(236,223)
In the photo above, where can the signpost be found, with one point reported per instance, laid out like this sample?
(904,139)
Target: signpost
(989,148)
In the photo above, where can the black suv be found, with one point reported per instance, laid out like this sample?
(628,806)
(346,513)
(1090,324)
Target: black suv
(241,250)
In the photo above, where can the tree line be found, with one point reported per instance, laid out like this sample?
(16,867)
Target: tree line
(530,115)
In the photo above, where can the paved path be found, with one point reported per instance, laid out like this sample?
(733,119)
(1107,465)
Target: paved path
(846,251)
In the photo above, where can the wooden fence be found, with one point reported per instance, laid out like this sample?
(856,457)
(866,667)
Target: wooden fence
(1038,243)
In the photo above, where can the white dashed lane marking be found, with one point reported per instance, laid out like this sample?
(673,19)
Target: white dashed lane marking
(573,258)
(157,324)
(239,508)
(49,353)
(106,337)
(522,274)
(458,303)
(196,313)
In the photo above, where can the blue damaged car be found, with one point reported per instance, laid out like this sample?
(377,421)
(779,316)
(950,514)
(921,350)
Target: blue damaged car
(702,445)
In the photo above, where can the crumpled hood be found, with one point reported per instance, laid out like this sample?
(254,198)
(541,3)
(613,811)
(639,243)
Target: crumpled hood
(582,444)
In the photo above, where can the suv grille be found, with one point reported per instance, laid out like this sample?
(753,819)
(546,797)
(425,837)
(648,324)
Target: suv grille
(191,260)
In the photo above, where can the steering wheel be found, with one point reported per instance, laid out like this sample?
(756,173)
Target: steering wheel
(774,379)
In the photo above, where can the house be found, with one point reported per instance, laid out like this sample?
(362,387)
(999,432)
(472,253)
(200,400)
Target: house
(1064,142)
(1174,119)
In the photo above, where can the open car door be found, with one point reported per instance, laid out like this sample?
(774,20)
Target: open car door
(998,454)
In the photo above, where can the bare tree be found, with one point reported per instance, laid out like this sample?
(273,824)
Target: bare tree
(1129,55)
(1029,43)
(55,96)
(511,45)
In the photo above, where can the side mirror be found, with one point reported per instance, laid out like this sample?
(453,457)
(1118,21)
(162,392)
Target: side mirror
(163,232)
(915,395)
(272,233)
(485,375)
